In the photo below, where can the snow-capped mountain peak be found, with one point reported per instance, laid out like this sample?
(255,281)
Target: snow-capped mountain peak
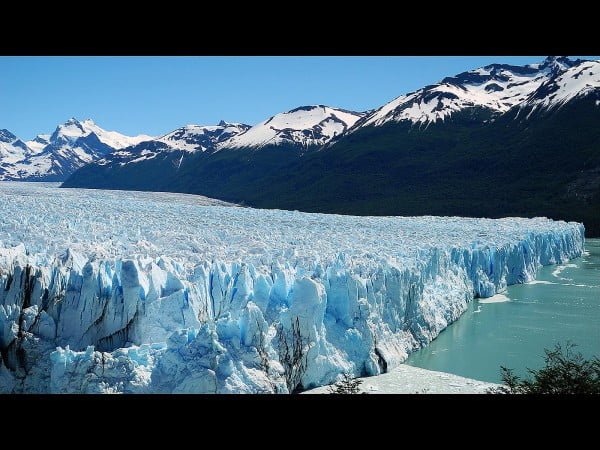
(11,147)
(190,138)
(576,81)
(306,125)
(557,64)
(193,138)
(496,87)
(7,136)
(225,124)
(53,157)
(74,129)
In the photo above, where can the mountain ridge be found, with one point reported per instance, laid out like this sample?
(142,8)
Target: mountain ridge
(53,157)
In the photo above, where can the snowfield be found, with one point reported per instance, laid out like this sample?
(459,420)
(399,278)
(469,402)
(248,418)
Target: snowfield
(406,379)
(306,125)
(110,291)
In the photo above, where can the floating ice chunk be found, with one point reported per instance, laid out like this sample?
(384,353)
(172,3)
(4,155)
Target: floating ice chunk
(498,298)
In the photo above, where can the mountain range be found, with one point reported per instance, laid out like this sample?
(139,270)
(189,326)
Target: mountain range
(53,157)
(494,141)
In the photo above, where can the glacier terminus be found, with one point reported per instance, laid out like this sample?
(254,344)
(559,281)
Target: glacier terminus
(139,292)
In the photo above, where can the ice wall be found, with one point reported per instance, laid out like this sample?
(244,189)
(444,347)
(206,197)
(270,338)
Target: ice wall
(71,322)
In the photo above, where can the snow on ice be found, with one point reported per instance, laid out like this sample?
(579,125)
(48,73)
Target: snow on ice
(406,379)
(109,291)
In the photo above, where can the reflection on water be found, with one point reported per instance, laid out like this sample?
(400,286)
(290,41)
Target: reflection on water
(562,304)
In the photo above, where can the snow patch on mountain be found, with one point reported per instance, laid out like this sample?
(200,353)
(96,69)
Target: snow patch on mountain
(74,129)
(306,126)
(573,82)
(496,87)
(189,139)
(54,157)
(38,143)
(193,138)
(12,148)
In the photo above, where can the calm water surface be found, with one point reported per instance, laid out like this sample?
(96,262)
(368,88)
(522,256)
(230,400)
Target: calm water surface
(562,304)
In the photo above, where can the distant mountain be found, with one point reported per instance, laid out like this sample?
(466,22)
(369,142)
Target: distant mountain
(54,157)
(12,148)
(73,129)
(202,138)
(210,157)
(306,126)
(175,145)
(495,141)
(495,88)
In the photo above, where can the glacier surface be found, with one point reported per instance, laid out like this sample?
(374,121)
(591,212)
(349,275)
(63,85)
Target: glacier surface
(137,292)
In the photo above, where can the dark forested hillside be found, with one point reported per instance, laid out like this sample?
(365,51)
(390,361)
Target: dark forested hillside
(492,142)
(548,164)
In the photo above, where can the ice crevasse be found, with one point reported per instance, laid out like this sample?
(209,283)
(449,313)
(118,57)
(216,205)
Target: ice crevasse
(279,301)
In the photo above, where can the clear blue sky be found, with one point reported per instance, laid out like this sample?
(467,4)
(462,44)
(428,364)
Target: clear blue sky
(155,95)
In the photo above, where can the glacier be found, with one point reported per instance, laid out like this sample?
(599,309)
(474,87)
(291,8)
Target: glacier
(139,292)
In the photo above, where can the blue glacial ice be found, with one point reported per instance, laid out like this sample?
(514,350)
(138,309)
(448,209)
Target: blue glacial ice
(134,292)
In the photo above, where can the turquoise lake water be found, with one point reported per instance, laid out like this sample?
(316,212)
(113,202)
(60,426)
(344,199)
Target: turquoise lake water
(562,304)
